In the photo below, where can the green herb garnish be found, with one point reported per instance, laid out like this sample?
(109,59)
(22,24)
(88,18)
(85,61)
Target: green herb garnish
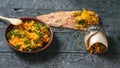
(15,32)
(27,42)
(81,22)
(17,46)
(80,13)
(22,36)
(39,35)
(8,35)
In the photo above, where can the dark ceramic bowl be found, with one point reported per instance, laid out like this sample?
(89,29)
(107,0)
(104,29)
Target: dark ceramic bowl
(10,26)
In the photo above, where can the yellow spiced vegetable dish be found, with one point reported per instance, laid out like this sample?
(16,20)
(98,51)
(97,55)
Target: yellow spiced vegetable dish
(85,18)
(29,36)
(97,48)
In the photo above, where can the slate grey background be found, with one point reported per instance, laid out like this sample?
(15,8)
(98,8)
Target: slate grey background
(67,49)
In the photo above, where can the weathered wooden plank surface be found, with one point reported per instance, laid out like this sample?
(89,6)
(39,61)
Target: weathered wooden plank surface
(105,5)
(59,60)
(71,41)
(67,49)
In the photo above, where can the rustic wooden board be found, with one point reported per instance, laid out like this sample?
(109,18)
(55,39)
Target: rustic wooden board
(59,60)
(66,40)
(67,49)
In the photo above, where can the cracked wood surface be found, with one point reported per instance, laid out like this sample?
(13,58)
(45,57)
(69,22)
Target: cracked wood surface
(67,49)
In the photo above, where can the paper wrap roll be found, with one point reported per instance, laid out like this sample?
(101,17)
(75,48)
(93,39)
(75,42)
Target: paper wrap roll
(96,36)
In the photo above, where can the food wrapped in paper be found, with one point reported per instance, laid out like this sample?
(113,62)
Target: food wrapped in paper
(95,40)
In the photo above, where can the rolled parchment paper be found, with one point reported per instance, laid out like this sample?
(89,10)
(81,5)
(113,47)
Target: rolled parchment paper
(96,36)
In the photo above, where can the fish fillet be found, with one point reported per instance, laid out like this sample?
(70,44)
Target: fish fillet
(62,19)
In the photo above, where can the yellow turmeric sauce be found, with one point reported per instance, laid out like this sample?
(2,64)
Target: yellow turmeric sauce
(29,36)
(85,18)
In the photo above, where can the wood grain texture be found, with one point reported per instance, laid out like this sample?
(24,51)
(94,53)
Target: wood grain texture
(59,60)
(67,49)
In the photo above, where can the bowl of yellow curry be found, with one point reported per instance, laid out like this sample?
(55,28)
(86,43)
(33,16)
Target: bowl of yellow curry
(31,36)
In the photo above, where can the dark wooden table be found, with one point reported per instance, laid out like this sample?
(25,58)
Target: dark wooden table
(67,49)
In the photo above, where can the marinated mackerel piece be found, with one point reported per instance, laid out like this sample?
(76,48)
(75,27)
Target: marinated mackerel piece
(79,20)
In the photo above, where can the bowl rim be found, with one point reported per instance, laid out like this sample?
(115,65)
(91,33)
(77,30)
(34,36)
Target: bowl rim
(35,19)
